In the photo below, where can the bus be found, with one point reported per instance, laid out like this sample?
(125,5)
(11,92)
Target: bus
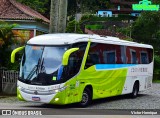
(67,68)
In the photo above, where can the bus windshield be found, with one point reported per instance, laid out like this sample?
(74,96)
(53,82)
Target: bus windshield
(40,64)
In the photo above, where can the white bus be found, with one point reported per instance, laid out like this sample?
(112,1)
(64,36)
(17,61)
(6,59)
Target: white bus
(70,68)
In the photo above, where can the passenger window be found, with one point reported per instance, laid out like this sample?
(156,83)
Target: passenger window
(109,57)
(133,57)
(144,58)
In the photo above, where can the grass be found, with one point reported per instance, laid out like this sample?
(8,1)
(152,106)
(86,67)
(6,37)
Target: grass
(156,81)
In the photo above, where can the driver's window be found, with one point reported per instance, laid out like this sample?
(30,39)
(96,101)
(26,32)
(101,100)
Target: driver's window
(93,55)
(75,60)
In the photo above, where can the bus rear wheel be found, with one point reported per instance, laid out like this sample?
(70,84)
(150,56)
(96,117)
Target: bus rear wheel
(135,91)
(86,98)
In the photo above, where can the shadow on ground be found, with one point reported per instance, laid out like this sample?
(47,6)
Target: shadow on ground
(94,102)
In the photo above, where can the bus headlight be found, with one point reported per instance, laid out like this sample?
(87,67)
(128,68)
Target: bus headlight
(21,88)
(58,90)
(63,88)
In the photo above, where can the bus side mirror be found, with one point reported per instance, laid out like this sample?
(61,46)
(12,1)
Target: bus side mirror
(67,54)
(14,53)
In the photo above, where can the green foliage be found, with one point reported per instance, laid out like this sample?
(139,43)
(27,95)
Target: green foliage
(74,6)
(128,39)
(72,25)
(79,6)
(156,68)
(125,30)
(146,29)
(156,80)
(157,64)
(146,26)
(86,17)
(99,18)
(6,40)
(6,33)
(87,6)
(42,6)
(94,27)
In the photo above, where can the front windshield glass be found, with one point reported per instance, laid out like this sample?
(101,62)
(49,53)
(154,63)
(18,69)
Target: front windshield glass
(40,62)
(50,55)
(31,58)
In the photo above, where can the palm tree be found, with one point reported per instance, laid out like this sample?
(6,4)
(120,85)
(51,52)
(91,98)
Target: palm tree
(6,33)
(6,40)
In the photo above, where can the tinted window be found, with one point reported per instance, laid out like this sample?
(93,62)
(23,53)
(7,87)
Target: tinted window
(138,55)
(133,57)
(117,54)
(93,56)
(109,57)
(75,60)
(104,54)
(144,58)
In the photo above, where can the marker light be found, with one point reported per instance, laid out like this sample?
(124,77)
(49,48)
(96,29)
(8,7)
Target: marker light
(56,99)
(57,91)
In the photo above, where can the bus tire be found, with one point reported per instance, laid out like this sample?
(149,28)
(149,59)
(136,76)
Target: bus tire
(86,98)
(135,90)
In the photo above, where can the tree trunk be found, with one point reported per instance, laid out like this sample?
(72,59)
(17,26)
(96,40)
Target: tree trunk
(62,15)
(54,16)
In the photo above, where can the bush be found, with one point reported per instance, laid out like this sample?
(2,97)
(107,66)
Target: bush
(99,18)
(94,27)
(157,64)
(71,27)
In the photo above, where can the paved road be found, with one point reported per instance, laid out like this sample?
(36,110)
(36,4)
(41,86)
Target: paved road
(149,99)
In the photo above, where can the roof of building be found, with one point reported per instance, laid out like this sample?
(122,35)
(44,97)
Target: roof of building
(105,32)
(10,9)
(70,38)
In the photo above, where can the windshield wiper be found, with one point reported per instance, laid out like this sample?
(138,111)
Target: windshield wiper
(32,72)
(34,69)
(42,68)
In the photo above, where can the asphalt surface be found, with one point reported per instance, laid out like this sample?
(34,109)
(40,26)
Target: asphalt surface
(147,101)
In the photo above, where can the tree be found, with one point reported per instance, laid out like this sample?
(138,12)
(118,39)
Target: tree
(81,6)
(41,6)
(146,28)
(6,33)
(54,16)
(71,27)
(62,15)
(6,41)
(58,16)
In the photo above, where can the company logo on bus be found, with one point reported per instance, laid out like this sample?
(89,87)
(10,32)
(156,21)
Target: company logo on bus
(35,92)
(139,70)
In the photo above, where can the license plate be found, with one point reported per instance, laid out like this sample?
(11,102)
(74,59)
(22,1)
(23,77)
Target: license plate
(36,98)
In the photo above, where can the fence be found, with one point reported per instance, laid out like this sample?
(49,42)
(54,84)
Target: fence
(8,81)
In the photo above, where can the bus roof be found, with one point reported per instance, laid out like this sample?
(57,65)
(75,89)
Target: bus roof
(70,38)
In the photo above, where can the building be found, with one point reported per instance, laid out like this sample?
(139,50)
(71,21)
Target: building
(30,22)
(119,7)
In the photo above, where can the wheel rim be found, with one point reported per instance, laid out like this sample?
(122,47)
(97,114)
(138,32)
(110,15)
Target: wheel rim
(135,92)
(84,98)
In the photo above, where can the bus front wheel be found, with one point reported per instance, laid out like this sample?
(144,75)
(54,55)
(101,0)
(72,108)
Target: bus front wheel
(86,98)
